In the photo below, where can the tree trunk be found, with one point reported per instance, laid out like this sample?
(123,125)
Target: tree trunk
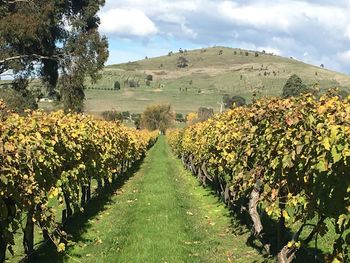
(217,185)
(183,159)
(193,166)
(68,206)
(281,224)
(64,216)
(203,177)
(99,184)
(83,195)
(106,182)
(42,226)
(205,172)
(227,194)
(122,169)
(286,255)
(199,175)
(3,245)
(88,191)
(253,212)
(28,235)
(222,189)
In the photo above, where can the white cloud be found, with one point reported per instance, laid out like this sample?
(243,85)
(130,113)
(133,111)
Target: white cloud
(171,18)
(122,22)
(258,16)
(345,57)
(320,29)
(347,32)
(188,31)
(283,15)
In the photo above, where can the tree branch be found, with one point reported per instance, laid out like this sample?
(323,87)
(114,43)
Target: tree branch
(17,1)
(35,56)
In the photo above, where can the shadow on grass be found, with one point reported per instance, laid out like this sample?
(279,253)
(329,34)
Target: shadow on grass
(241,224)
(79,223)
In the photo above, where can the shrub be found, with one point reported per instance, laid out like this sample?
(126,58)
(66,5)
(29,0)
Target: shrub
(133,84)
(149,77)
(125,115)
(179,117)
(116,85)
(18,101)
(182,62)
(238,101)
(112,115)
(136,118)
(232,102)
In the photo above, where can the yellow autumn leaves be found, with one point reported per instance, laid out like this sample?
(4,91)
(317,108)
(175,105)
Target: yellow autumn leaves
(53,155)
(302,145)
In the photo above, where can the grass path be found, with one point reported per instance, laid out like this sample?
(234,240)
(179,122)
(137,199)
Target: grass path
(161,214)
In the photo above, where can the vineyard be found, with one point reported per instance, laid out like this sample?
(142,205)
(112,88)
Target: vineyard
(287,159)
(282,159)
(48,158)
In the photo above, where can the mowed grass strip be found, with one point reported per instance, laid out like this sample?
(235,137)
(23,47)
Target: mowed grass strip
(161,215)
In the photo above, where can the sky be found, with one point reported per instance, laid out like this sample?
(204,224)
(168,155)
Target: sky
(315,31)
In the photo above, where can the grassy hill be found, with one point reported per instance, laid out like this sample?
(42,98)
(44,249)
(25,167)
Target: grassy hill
(208,76)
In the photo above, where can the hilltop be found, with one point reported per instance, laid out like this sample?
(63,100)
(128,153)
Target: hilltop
(210,73)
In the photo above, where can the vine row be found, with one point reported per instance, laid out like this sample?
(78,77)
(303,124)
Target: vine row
(290,157)
(49,158)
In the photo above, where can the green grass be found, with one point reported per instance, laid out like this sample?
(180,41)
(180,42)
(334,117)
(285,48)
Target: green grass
(160,214)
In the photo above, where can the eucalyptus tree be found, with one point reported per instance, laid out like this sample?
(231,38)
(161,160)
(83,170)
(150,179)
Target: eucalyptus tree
(54,40)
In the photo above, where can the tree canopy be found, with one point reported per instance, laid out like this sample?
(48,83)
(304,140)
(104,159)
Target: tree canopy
(157,117)
(51,40)
(294,87)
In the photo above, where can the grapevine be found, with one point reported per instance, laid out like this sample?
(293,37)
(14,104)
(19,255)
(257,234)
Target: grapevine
(46,156)
(292,156)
